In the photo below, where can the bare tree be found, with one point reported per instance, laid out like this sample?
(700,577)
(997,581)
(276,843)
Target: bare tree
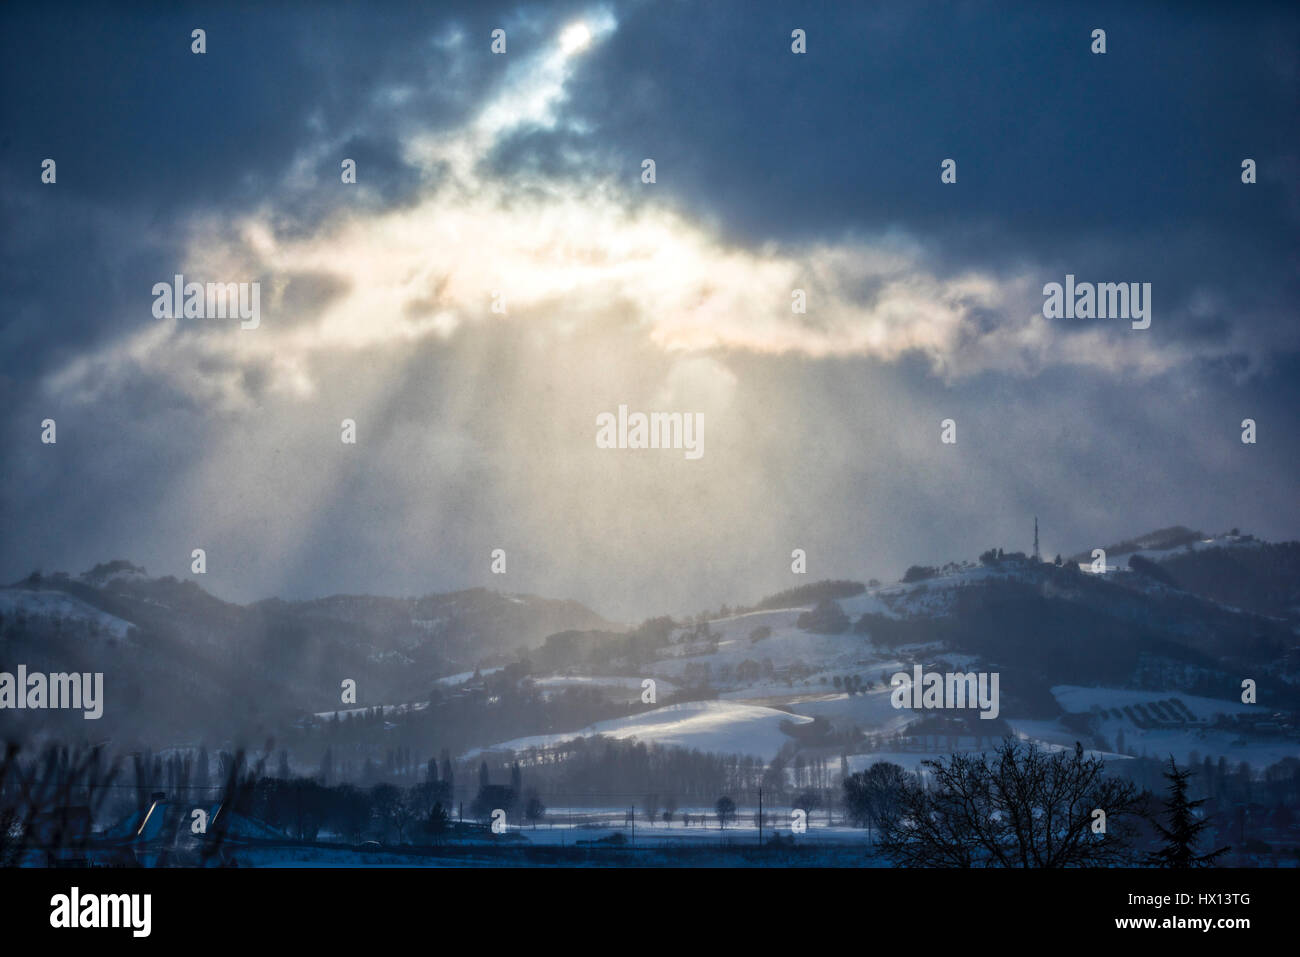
(871,796)
(1019,807)
(726,810)
(404,812)
(534,809)
(33,791)
(385,801)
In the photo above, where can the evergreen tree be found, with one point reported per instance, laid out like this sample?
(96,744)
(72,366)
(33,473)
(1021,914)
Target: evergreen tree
(447,774)
(534,809)
(439,821)
(1184,829)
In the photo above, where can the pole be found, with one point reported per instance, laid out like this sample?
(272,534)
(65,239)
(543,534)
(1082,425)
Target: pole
(760,817)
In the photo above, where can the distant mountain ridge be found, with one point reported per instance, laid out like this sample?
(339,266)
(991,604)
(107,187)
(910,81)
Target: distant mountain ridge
(1217,610)
(172,648)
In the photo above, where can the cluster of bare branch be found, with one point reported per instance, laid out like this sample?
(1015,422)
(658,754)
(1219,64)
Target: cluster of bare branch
(1018,807)
(32,792)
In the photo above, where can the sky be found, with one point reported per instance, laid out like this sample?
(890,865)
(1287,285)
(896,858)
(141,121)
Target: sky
(515,180)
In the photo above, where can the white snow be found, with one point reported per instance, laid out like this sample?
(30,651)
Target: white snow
(718,726)
(464,676)
(57,604)
(1077,699)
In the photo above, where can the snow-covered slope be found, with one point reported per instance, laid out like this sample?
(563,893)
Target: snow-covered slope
(719,726)
(56,604)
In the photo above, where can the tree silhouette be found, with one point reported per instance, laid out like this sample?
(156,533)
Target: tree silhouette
(1019,807)
(439,821)
(726,809)
(1184,828)
(871,796)
(534,809)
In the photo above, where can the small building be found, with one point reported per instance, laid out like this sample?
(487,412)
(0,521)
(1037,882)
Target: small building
(163,833)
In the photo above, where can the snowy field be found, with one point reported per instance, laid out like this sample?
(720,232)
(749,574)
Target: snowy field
(1079,699)
(1181,742)
(719,726)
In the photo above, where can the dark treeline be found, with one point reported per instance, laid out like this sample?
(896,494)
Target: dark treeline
(594,768)
(1022,806)
(1203,813)
(362,744)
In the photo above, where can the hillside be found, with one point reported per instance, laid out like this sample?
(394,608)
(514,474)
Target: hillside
(215,668)
(1146,656)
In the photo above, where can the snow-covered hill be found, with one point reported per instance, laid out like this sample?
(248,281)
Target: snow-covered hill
(32,603)
(720,726)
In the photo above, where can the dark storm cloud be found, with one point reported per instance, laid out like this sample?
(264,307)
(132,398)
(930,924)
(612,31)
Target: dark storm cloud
(140,118)
(147,134)
(1048,137)
(1117,166)
(1123,167)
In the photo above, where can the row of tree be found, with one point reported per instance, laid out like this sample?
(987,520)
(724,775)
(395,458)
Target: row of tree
(1025,807)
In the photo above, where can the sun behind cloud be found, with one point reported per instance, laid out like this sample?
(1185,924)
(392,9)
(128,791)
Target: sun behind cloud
(575,38)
